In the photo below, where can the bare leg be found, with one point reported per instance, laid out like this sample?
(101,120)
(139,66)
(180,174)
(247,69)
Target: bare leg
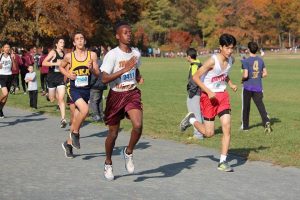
(136,117)
(110,142)
(226,128)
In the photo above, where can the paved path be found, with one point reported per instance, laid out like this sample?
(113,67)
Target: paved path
(33,167)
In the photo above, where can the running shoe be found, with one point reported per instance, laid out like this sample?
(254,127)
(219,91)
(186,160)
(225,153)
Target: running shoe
(108,172)
(225,167)
(185,123)
(68,150)
(1,114)
(63,123)
(268,128)
(75,140)
(129,166)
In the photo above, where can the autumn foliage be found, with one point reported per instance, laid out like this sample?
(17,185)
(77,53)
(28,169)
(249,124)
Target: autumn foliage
(171,23)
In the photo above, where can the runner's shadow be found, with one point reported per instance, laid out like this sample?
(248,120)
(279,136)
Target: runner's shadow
(164,171)
(18,121)
(239,155)
(100,134)
(117,151)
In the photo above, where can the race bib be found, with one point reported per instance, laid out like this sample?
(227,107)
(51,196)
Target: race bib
(128,78)
(217,85)
(56,69)
(81,81)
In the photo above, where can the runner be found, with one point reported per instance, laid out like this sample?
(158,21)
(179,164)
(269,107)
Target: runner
(214,98)
(82,64)
(55,79)
(7,63)
(120,70)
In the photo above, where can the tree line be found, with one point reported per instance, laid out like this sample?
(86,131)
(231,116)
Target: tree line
(169,24)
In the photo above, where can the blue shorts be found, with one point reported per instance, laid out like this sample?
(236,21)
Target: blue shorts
(76,94)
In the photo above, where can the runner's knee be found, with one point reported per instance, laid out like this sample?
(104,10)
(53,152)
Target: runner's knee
(209,133)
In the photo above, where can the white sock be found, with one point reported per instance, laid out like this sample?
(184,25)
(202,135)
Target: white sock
(222,158)
(192,120)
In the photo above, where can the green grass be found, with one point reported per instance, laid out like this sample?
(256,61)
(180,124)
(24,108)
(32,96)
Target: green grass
(164,102)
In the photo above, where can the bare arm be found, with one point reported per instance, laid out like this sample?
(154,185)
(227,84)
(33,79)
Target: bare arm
(208,65)
(139,77)
(231,85)
(265,73)
(47,61)
(63,67)
(126,66)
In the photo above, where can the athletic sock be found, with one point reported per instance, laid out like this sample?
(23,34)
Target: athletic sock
(222,158)
(192,120)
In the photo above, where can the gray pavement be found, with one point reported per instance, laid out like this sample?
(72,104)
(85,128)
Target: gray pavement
(33,166)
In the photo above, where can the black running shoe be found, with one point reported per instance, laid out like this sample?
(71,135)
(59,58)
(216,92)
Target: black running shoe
(1,114)
(185,123)
(63,123)
(75,140)
(68,150)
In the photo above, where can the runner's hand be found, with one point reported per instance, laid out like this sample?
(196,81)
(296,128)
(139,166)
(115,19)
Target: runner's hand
(234,87)
(141,81)
(72,76)
(0,65)
(128,65)
(211,95)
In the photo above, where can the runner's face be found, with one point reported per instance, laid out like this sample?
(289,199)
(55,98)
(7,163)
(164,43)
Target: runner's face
(79,41)
(61,44)
(6,48)
(124,34)
(226,51)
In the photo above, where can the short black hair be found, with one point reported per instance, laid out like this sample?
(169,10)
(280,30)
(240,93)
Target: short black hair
(192,53)
(119,24)
(253,47)
(227,40)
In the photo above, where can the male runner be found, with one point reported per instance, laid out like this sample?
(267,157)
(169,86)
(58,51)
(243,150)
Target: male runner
(82,64)
(120,70)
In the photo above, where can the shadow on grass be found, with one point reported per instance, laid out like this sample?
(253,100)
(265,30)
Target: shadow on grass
(117,151)
(23,119)
(164,171)
(273,121)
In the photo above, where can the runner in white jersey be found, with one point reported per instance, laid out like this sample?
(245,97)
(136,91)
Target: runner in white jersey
(7,62)
(120,68)
(214,98)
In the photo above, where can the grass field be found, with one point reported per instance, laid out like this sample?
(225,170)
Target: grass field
(164,101)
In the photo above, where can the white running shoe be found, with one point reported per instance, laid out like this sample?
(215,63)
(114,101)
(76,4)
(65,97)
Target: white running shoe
(129,166)
(108,172)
